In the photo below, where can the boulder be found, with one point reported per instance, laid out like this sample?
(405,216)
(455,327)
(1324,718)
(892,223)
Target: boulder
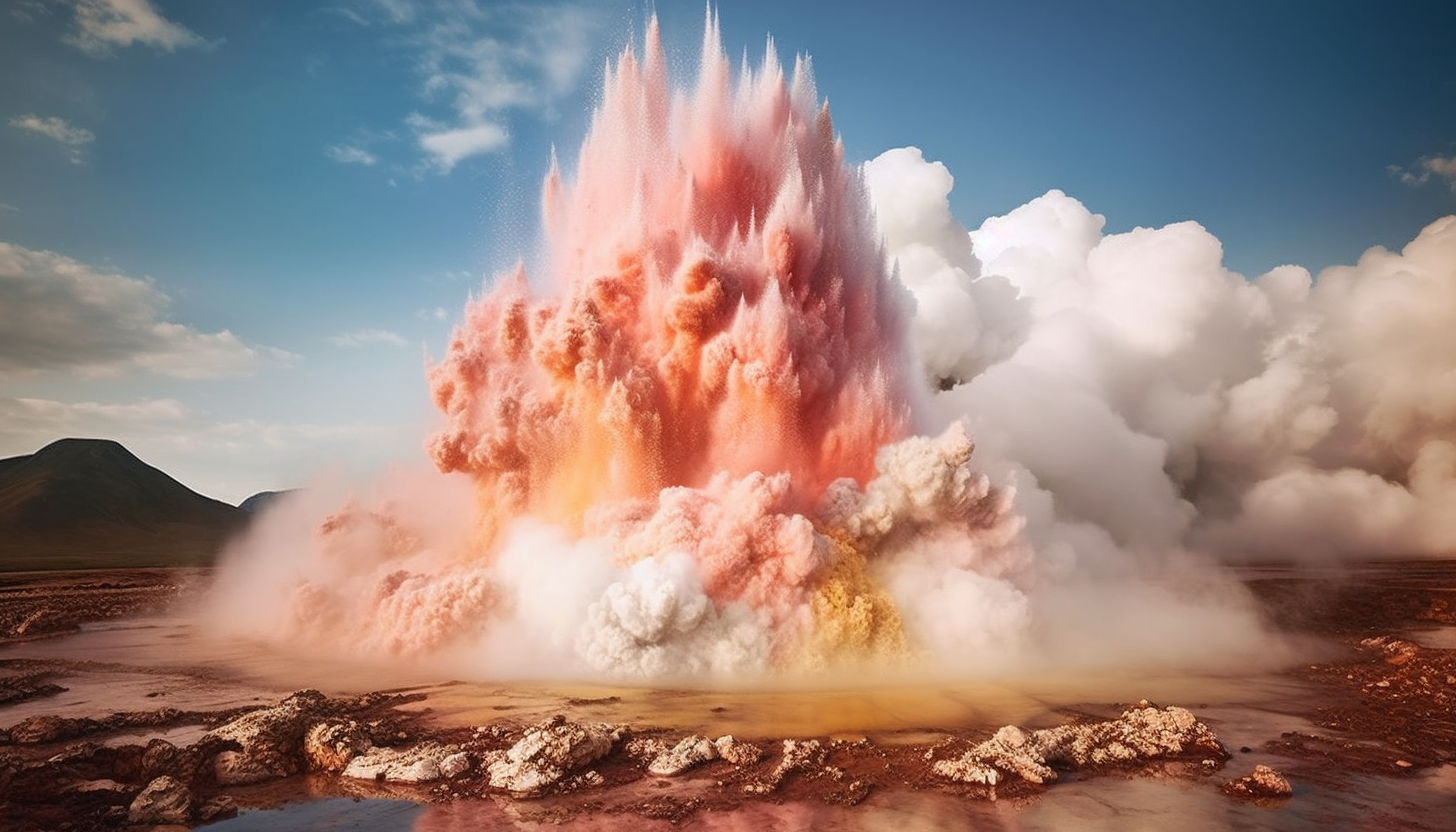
(1141,733)
(1263,782)
(423,763)
(691,751)
(48,728)
(329,746)
(217,808)
(548,752)
(798,756)
(164,800)
(160,757)
(737,752)
(271,740)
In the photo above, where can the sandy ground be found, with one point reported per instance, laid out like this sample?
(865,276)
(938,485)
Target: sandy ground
(93,676)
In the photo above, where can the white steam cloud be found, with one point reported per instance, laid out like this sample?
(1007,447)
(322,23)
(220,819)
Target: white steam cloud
(1143,399)
(1138,413)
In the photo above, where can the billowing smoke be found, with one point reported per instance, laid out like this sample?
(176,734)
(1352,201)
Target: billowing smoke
(766,412)
(1169,402)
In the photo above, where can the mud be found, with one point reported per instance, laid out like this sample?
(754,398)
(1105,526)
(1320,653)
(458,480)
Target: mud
(1379,704)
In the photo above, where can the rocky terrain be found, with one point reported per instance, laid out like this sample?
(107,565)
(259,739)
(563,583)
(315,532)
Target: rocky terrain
(54,773)
(37,604)
(1382,706)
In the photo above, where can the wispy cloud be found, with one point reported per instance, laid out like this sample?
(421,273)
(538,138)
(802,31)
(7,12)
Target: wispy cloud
(1440,168)
(448,145)
(75,140)
(480,63)
(351,155)
(57,314)
(365,337)
(103,24)
(26,413)
(399,11)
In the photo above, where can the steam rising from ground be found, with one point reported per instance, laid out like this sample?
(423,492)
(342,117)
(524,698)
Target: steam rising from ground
(719,438)
(1281,416)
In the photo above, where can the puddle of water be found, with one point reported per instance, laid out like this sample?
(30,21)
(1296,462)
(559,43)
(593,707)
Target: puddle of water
(1106,804)
(101,691)
(1443,638)
(145,663)
(867,711)
(337,814)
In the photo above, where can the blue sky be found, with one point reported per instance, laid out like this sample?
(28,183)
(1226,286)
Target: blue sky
(230,233)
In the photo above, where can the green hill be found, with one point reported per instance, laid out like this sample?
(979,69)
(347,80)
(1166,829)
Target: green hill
(90,504)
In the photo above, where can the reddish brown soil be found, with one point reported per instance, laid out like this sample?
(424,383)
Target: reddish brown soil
(1388,704)
(1384,707)
(45,603)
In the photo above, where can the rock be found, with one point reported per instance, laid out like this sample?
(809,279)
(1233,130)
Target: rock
(1264,782)
(424,763)
(48,728)
(1141,733)
(329,746)
(968,770)
(691,751)
(102,786)
(1397,651)
(736,752)
(454,765)
(799,755)
(235,768)
(548,752)
(271,740)
(160,757)
(1011,751)
(164,800)
(217,808)
(587,780)
(645,749)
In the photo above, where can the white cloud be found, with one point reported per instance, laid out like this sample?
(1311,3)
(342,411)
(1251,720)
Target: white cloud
(28,414)
(436,314)
(1143,398)
(1442,168)
(351,155)
(399,11)
(75,140)
(478,63)
(365,337)
(448,147)
(57,314)
(102,24)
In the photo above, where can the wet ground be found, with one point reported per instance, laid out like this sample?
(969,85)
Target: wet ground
(1365,731)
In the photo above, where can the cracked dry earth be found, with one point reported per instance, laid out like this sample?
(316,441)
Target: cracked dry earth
(1380,705)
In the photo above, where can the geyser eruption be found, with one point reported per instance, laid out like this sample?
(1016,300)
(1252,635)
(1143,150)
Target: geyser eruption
(701,418)
(727,430)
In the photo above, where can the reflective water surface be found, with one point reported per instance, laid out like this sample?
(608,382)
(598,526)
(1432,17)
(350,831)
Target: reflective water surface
(169,661)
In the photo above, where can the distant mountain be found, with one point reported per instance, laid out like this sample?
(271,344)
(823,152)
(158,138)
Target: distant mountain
(263,499)
(90,503)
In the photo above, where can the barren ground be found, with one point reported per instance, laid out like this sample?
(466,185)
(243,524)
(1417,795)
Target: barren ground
(1381,706)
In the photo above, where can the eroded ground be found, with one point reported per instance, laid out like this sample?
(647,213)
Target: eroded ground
(92,719)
